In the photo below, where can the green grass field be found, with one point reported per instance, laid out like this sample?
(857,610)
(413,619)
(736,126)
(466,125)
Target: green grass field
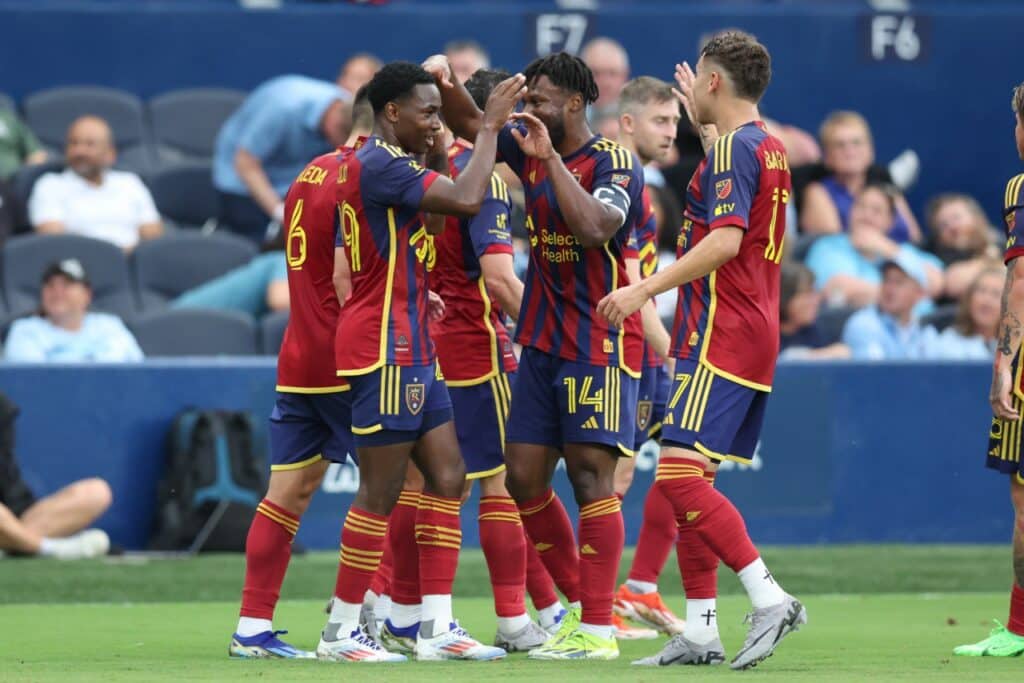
(885,612)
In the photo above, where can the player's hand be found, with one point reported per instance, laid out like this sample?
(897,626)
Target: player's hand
(685,79)
(435,306)
(438,67)
(999,396)
(621,304)
(537,141)
(502,101)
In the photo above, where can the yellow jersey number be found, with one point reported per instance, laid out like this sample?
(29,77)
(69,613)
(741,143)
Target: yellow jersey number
(296,239)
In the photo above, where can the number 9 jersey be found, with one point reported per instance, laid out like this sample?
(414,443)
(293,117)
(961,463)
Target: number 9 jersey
(728,321)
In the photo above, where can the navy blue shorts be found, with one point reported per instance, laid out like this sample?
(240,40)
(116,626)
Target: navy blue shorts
(1004,444)
(650,406)
(710,414)
(557,401)
(396,404)
(305,428)
(481,411)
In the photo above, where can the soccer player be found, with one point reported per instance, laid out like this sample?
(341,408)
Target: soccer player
(725,338)
(1007,399)
(400,405)
(475,277)
(576,386)
(311,422)
(648,118)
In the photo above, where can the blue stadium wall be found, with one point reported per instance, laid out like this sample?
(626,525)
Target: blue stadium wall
(936,79)
(850,453)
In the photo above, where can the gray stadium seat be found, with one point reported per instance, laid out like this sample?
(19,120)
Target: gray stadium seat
(49,113)
(186,122)
(832,320)
(7,102)
(272,329)
(184,193)
(166,267)
(26,256)
(24,179)
(195,332)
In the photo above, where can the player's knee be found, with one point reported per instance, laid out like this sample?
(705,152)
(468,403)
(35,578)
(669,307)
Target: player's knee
(589,485)
(450,481)
(522,482)
(1017,496)
(95,494)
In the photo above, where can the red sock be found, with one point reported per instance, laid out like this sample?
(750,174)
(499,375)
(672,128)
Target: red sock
(439,539)
(1015,623)
(538,582)
(602,535)
(504,546)
(698,564)
(405,554)
(698,505)
(381,584)
(268,547)
(658,533)
(363,537)
(550,531)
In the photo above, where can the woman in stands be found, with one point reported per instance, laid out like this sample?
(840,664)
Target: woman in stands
(972,336)
(849,158)
(962,238)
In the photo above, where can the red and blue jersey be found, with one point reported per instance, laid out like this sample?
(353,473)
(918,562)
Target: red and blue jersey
(472,343)
(1013,218)
(384,321)
(644,247)
(564,282)
(729,320)
(304,364)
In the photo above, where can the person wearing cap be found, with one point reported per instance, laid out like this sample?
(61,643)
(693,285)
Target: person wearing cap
(890,330)
(90,198)
(64,330)
(267,142)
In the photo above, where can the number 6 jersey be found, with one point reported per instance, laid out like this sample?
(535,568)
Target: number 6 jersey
(729,320)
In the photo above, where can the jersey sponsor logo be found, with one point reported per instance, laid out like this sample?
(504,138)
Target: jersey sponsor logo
(723,188)
(723,209)
(414,394)
(620,179)
(643,414)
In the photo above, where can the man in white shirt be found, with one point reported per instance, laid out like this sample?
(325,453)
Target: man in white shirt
(64,330)
(91,199)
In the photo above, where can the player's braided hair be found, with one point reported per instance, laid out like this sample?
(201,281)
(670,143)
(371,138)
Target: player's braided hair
(1018,101)
(565,71)
(482,82)
(745,60)
(394,81)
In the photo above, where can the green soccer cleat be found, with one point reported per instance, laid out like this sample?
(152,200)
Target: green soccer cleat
(577,645)
(569,623)
(1000,643)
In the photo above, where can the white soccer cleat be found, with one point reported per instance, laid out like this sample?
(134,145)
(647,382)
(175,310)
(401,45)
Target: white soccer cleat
(83,545)
(357,646)
(455,643)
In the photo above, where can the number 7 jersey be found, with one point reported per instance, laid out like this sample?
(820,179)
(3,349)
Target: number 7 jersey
(729,320)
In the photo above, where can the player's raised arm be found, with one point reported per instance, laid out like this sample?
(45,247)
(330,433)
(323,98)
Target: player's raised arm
(464,196)
(592,218)
(460,111)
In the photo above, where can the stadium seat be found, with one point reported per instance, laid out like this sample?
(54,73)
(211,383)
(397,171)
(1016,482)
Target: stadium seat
(832,320)
(184,194)
(941,318)
(26,256)
(22,182)
(195,332)
(272,329)
(166,267)
(49,113)
(7,102)
(186,122)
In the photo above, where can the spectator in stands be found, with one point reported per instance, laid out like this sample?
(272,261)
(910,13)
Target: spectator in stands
(357,71)
(802,336)
(890,330)
(90,198)
(257,288)
(18,145)
(466,58)
(64,330)
(962,239)
(846,265)
(972,336)
(609,62)
(849,157)
(50,526)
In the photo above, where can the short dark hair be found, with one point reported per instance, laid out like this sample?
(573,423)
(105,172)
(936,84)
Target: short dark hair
(564,71)
(1018,101)
(482,82)
(644,90)
(745,60)
(395,81)
(362,111)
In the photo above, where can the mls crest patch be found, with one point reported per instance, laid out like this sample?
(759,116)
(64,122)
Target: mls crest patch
(620,179)
(414,397)
(723,188)
(577,175)
(643,414)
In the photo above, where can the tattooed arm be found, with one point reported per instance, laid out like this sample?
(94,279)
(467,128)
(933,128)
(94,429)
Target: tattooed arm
(1008,341)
